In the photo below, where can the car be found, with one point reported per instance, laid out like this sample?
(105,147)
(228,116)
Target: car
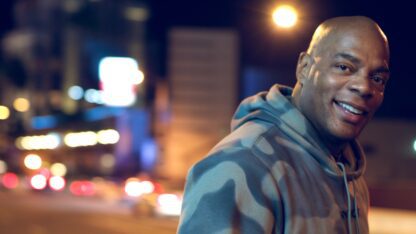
(148,198)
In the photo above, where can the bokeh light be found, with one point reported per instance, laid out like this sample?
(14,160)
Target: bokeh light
(76,92)
(78,139)
(107,161)
(57,183)
(169,204)
(285,16)
(133,187)
(3,166)
(139,78)
(82,188)
(147,187)
(58,169)
(119,77)
(109,136)
(92,96)
(21,104)
(414,145)
(33,161)
(4,112)
(38,182)
(10,180)
(49,141)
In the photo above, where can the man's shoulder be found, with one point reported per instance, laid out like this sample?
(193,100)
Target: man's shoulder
(243,138)
(256,138)
(253,143)
(228,162)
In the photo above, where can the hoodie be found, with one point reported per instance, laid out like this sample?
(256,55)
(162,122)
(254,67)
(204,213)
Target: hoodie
(272,174)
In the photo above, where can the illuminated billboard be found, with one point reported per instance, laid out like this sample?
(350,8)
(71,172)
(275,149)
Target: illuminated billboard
(119,78)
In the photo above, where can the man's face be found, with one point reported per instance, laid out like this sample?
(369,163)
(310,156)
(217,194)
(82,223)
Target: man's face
(345,84)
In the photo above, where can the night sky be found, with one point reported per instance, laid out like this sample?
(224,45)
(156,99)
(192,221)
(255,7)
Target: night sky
(267,47)
(264,46)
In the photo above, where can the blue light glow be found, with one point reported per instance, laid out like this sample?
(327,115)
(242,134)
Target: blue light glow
(92,96)
(44,122)
(99,113)
(75,92)
(148,154)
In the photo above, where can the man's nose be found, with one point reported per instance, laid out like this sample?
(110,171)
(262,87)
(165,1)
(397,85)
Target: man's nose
(361,85)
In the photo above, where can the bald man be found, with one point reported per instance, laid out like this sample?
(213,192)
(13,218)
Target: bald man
(291,163)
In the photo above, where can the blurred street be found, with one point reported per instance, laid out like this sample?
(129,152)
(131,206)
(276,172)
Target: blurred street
(391,221)
(42,213)
(33,213)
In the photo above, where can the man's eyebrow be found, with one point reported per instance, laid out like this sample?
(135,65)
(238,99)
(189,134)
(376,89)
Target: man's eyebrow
(382,70)
(349,57)
(356,60)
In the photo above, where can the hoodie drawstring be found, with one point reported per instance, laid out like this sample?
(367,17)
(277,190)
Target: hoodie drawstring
(357,227)
(347,190)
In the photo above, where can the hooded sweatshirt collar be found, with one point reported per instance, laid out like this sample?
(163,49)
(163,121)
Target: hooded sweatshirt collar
(275,107)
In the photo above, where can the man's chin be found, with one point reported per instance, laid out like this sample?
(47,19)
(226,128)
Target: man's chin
(348,135)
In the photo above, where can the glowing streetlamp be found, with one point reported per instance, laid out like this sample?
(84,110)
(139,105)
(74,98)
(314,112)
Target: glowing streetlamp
(285,16)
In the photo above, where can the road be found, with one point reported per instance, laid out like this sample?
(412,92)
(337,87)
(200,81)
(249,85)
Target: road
(35,213)
(31,213)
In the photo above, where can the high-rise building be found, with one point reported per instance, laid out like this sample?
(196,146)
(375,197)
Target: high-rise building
(203,69)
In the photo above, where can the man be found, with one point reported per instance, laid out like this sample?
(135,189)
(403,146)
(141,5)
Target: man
(291,163)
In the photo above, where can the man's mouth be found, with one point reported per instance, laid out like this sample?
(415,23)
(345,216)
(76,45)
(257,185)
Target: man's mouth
(351,109)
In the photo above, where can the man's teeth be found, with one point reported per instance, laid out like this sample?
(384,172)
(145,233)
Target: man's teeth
(351,109)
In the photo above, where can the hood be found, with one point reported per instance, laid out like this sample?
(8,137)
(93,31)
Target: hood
(275,107)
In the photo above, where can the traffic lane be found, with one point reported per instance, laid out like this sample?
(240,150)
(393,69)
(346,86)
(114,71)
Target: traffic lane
(38,214)
(32,213)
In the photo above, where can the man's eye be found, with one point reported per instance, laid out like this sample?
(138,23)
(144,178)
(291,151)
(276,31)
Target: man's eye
(378,80)
(343,67)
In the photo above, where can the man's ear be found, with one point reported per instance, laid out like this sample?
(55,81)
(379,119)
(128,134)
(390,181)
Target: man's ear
(303,67)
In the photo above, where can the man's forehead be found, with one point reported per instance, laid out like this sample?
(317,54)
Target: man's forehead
(350,45)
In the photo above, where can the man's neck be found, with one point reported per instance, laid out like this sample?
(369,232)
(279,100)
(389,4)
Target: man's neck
(335,147)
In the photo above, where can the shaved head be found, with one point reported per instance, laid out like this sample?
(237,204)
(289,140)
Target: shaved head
(333,28)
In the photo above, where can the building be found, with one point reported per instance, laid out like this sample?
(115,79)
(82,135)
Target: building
(203,69)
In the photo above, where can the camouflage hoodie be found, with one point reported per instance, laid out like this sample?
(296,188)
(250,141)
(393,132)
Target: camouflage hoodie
(271,174)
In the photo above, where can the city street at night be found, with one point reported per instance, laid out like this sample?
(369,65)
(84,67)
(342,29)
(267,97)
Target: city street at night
(35,213)
(31,213)
(113,114)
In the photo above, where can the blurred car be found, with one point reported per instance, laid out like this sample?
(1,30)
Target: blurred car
(107,190)
(147,198)
(82,188)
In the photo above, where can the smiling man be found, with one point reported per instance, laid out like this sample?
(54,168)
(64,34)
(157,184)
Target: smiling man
(341,78)
(291,163)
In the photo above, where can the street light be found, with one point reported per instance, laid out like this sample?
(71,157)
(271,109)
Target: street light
(285,16)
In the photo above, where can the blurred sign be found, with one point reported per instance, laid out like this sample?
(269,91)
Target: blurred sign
(119,78)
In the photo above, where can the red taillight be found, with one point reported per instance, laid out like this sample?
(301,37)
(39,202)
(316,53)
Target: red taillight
(10,180)
(82,188)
